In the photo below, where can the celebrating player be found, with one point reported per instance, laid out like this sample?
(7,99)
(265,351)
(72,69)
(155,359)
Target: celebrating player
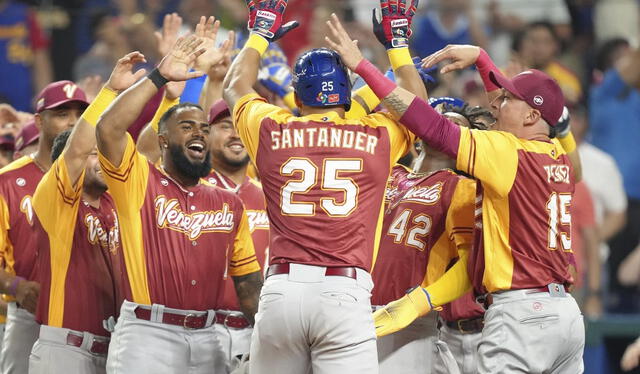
(522,253)
(427,225)
(58,107)
(180,237)
(79,268)
(323,178)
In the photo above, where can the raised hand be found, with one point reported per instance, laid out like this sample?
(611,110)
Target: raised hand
(91,85)
(207,31)
(459,57)
(176,65)
(169,34)
(395,28)
(218,71)
(342,43)
(122,76)
(265,18)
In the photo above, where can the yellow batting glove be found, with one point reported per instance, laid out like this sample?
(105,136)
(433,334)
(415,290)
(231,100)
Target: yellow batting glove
(401,313)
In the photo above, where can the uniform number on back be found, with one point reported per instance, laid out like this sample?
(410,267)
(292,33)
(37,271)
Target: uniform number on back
(330,180)
(558,208)
(421,225)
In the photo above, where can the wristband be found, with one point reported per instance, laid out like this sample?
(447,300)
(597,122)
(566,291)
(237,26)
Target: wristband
(157,78)
(378,83)
(568,142)
(289,100)
(92,114)
(13,287)
(399,57)
(257,42)
(485,66)
(165,104)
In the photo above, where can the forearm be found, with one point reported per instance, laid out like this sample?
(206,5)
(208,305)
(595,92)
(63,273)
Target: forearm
(405,72)
(628,273)
(82,140)
(612,223)
(485,65)
(452,285)
(594,267)
(42,72)
(243,73)
(211,92)
(112,126)
(248,291)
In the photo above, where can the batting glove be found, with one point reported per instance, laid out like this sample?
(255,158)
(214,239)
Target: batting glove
(395,28)
(563,127)
(265,18)
(401,313)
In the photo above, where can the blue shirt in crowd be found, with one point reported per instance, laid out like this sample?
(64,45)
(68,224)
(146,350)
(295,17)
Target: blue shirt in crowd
(614,116)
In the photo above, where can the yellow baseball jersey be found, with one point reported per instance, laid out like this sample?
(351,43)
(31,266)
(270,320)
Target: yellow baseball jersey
(179,242)
(523,220)
(323,178)
(79,262)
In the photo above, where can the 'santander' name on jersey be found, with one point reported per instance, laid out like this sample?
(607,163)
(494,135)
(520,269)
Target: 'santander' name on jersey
(323,137)
(170,215)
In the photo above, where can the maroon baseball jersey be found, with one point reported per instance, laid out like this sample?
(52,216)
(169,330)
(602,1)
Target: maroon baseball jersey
(18,245)
(427,221)
(323,178)
(523,218)
(79,254)
(179,242)
(250,192)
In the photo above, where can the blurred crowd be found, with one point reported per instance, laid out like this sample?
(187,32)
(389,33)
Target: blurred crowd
(589,46)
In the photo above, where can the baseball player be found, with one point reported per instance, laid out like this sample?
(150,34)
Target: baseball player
(58,107)
(80,268)
(180,237)
(427,225)
(230,160)
(323,177)
(522,252)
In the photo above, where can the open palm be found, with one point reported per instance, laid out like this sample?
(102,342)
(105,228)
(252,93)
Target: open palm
(176,65)
(123,76)
(207,31)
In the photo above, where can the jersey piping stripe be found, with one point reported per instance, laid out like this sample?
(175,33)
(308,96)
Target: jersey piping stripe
(122,177)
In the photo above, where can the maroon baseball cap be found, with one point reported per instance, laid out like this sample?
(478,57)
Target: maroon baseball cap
(27,135)
(537,89)
(58,93)
(218,110)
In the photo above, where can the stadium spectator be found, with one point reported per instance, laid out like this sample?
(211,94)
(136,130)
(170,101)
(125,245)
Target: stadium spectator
(24,58)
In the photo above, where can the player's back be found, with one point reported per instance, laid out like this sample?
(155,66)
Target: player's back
(324,179)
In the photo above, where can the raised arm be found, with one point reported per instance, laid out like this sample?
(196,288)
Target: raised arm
(82,140)
(265,23)
(412,111)
(175,66)
(214,84)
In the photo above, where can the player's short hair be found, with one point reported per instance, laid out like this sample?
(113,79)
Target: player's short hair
(59,143)
(479,118)
(162,123)
(518,38)
(606,53)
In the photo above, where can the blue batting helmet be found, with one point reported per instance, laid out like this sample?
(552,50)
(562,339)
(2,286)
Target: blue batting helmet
(320,78)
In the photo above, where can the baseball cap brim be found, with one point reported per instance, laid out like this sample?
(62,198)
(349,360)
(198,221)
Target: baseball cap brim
(504,82)
(61,102)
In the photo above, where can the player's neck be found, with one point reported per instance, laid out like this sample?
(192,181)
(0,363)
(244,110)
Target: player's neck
(235,173)
(91,195)
(42,156)
(173,171)
(308,110)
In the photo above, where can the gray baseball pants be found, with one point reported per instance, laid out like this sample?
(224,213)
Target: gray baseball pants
(309,322)
(21,332)
(464,349)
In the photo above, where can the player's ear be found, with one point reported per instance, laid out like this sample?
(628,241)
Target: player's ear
(297,100)
(532,117)
(38,121)
(162,141)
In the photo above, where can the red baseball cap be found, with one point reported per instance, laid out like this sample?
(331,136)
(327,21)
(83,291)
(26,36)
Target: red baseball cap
(58,93)
(218,110)
(537,89)
(27,135)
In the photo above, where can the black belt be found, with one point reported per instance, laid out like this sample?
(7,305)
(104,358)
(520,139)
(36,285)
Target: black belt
(466,325)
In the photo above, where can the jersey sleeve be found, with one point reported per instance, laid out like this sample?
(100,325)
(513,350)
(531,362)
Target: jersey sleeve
(248,114)
(243,259)
(460,216)
(127,182)
(4,230)
(490,156)
(56,201)
(400,138)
